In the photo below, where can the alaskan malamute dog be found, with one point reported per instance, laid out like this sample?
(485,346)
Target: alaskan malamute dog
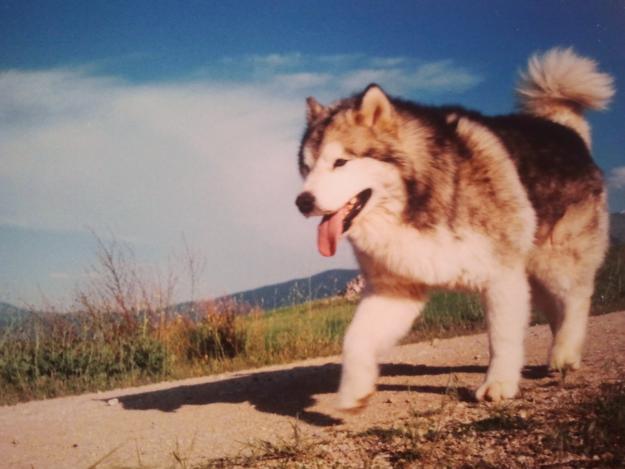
(442,197)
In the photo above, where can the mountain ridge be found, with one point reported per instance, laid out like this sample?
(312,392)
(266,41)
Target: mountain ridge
(292,292)
(11,314)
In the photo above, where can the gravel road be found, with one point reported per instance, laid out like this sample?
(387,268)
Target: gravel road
(195,419)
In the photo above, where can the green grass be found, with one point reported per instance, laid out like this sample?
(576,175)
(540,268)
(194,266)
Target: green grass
(53,356)
(63,354)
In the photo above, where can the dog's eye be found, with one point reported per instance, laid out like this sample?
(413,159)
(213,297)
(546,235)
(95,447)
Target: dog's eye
(340,162)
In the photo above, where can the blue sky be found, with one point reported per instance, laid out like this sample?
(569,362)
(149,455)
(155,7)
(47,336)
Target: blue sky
(162,121)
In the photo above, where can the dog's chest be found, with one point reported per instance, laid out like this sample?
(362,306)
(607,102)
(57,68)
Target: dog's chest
(435,257)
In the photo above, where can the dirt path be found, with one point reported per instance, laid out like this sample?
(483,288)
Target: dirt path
(219,416)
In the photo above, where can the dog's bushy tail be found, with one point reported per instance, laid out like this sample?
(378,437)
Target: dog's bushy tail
(559,85)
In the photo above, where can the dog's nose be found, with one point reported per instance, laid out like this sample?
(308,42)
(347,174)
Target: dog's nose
(305,202)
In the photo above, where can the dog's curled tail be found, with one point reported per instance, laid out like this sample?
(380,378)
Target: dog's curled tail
(559,85)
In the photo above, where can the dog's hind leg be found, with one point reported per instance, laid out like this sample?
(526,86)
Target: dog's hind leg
(568,341)
(567,313)
(379,322)
(507,312)
(565,268)
(566,304)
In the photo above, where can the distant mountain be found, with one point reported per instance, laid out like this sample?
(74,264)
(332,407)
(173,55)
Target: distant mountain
(617,227)
(10,314)
(322,285)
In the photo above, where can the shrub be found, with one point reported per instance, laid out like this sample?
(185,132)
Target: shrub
(217,334)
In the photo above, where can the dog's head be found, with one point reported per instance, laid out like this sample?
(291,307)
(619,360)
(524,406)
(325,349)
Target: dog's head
(352,159)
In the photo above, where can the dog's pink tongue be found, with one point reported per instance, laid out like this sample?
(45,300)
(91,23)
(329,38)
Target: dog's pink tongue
(329,233)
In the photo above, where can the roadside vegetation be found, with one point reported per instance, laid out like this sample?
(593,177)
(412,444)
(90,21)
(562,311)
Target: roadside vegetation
(122,331)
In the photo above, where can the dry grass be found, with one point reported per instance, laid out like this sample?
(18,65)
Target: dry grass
(572,426)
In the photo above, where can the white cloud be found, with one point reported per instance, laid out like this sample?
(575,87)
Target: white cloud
(444,76)
(303,80)
(387,61)
(616,178)
(339,59)
(436,77)
(134,150)
(267,61)
(151,162)
(616,189)
(277,60)
(335,75)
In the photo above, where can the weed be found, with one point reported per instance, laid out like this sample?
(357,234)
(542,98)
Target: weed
(502,418)
(259,453)
(181,456)
(593,427)
(605,433)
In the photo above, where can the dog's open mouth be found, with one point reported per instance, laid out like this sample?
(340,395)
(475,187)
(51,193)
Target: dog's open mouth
(333,225)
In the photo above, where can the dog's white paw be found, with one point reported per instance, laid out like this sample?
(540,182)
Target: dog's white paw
(355,391)
(353,405)
(357,385)
(495,391)
(565,357)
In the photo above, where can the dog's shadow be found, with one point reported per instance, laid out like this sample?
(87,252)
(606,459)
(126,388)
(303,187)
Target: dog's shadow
(289,392)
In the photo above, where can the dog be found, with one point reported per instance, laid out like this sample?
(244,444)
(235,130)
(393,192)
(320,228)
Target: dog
(511,206)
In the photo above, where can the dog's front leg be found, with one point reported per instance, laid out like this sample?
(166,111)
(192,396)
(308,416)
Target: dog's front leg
(380,321)
(507,301)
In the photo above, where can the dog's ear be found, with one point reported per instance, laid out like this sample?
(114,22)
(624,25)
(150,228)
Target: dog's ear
(314,110)
(375,107)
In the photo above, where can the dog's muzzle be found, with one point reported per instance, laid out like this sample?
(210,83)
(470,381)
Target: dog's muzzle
(305,203)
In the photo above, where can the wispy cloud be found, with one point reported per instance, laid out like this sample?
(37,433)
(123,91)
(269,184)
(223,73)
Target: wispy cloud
(335,75)
(387,61)
(429,78)
(338,59)
(615,181)
(443,76)
(616,178)
(303,80)
(277,60)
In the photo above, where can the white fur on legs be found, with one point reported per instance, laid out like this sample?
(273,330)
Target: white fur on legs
(568,341)
(379,322)
(507,308)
